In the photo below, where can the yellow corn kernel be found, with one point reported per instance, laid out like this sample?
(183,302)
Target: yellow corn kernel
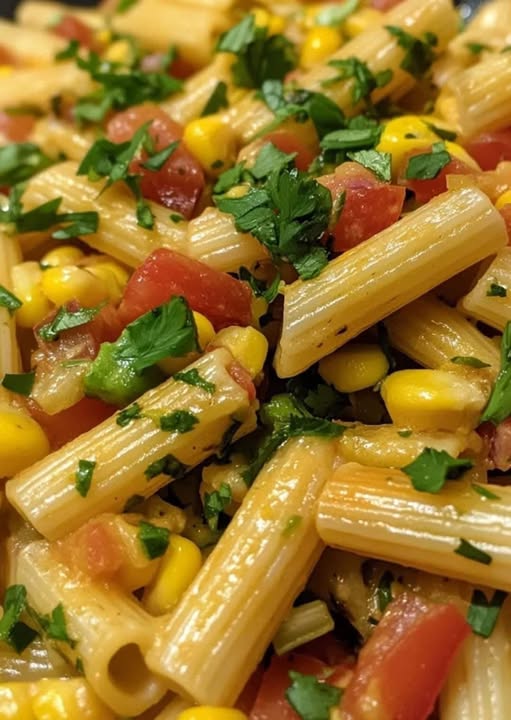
(264,19)
(104,273)
(136,569)
(319,43)
(205,334)
(247,345)
(103,37)
(67,700)
(63,284)
(15,701)
(504,199)
(359,22)
(6,70)
(63,255)
(178,567)
(23,441)
(205,712)
(26,285)
(310,14)
(238,191)
(354,367)
(433,400)
(212,142)
(459,152)
(402,135)
(120,51)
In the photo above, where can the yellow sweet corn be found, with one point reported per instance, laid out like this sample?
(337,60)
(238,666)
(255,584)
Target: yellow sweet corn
(15,701)
(120,51)
(211,140)
(504,199)
(26,285)
(177,569)
(248,346)
(104,272)
(6,70)
(205,334)
(62,284)
(403,134)
(354,367)
(319,43)
(264,19)
(457,151)
(23,441)
(103,37)
(136,569)
(205,712)
(362,20)
(53,699)
(433,400)
(63,255)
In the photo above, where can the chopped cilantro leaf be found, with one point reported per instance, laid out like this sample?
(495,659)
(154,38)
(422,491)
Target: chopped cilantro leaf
(181,421)
(380,163)
(193,377)
(154,540)
(167,465)
(405,433)
(471,552)
(496,290)
(470,361)
(484,492)
(19,161)
(292,524)
(483,614)
(270,159)
(442,132)
(432,468)
(66,320)
(215,503)
(83,476)
(476,48)
(20,383)
(364,81)
(419,54)
(335,15)
(311,699)
(8,300)
(133,412)
(157,161)
(499,404)
(384,590)
(54,625)
(124,5)
(352,138)
(428,166)
(259,287)
(217,100)
(12,630)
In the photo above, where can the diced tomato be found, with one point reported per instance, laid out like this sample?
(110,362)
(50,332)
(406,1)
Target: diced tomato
(369,206)
(242,377)
(506,214)
(179,183)
(94,549)
(68,424)
(6,56)
(248,696)
(385,5)
(180,68)
(402,667)
(165,273)
(426,189)
(271,703)
(498,443)
(16,127)
(489,149)
(71,28)
(288,142)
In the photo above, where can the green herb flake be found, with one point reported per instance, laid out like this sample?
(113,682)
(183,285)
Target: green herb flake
(484,492)
(380,163)
(132,503)
(79,666)
(54,625)
(20,383)
(292,524)
(471,552)
(20,161)
(428,166)
(167,465)
(311,699)
(180,421)
(9,301)
(154,540)
(483,613)
(216,503)
(66,320)
(470,361)
(352,138)
(476,48)
(364,80)
(194,378)
(176,218)
(83,476)
(12,630)
(496,290)
(157,161)
(405,433)
(217,100)
(133,412)
(432,468)
(259,287)
(384,590)
(124,5)
(335,15)
(499,404)
(419,54)
(442,132)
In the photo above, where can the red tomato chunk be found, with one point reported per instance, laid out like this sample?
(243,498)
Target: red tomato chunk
(425,190)
(489,149)
(16,128)
(71,28)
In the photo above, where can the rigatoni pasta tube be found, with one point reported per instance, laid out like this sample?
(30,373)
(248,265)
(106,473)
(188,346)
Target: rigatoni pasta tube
(56,137)
(35,87)
(30,46)
(490,299)
(376,47)
(377,512)
(109,629)
(247,585)
(41,14)
(10,255)
(46,494)
(432,333)
(384,273)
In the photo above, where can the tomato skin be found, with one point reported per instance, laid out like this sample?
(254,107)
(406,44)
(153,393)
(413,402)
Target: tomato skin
(6,56)
(288,142)
(402,667)
(370,206)
(165,273)
(243,378)
(178,185)
(425,190)
(489,149)
(68,424)
(180,68)
(16,128)
(71,28)
(93,549)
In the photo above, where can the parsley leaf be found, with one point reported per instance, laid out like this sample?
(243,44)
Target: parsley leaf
(352,138)
(364,81)
(432,468)
(19,161)
(217,100)
(20,383)
(384,590)
(380,163)
(499,404)
(157,161)
(483,614)
(335,15)
(471,552)
(66,320)
(311,699)
(181,421)
(496,290)
(428,166)
(259,57)
(484,492)
(167,465)
(270,159)
(133,412)
(83,476)
(259,287)
(470,361)
(476,48)
(154,539)
(419,54)
(8,300)
(215,503)
(54,625)
(124,5)
(12,630)
(193,377)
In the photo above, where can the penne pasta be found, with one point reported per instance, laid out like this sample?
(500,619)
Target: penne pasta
(247,585)
(10,255)
(377,512)
(44,13)
(490,300)
(374,279)
(109,631)
(36,87)
(56,137)
(46,493)
(30,46)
